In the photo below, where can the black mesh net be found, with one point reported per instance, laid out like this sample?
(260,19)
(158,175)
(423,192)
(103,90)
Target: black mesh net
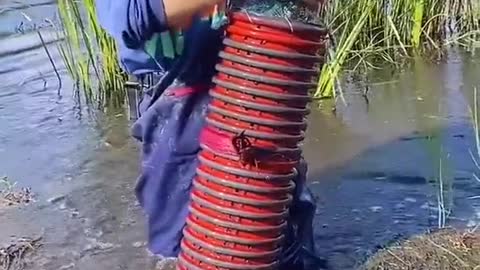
(288,9)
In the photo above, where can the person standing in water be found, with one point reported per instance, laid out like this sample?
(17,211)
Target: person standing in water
(172,112)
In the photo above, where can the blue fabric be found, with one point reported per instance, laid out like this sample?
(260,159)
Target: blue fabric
(132,23)
(168,130)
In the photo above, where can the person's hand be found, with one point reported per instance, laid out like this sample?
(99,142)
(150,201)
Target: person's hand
(179,13)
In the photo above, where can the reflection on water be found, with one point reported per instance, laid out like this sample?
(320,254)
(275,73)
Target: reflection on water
(374,166)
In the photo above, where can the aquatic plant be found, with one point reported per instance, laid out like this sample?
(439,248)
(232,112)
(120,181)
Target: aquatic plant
(391,31)
(90,54)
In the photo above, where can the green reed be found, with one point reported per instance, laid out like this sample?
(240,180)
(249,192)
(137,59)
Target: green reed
(391,31)
(365,32)
(90,54)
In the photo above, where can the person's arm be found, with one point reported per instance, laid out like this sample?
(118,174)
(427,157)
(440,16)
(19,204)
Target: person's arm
(135,21)
(179,13)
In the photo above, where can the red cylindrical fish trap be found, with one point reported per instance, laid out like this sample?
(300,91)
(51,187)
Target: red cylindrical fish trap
(205,246)
(247,53)
(243,189)
(267,87)
(226,143)
(279,116)
(201,257)
(258,138)
(284,74)
(232,248)
(271,237)
(283,185)
(246,119)
(275,117)
(262,165)
(203,209)
(284,94)
(284,43)
(244,38)
(259,206)
(186,262)
(303,39)
(268,65)
(279,164)
(219,249)
(242,207)
(223,188)
(267,33)
(225,118)
(278,26)
(262,82)
(251,97)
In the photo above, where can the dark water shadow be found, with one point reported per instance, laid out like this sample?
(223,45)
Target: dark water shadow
(377,172)
(381,196)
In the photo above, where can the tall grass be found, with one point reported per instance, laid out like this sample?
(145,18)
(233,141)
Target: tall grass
(393,30)
(365,32)
(89,54)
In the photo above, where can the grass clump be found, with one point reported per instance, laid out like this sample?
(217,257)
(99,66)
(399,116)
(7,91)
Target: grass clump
(10,196)
(90,54)
(443,250)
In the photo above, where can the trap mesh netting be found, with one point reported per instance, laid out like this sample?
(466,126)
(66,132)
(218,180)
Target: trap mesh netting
(288,9)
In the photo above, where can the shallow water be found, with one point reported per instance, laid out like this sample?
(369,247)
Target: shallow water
(373,165)
(378,173)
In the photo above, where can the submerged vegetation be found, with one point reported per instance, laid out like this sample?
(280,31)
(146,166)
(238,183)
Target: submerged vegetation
(363,33)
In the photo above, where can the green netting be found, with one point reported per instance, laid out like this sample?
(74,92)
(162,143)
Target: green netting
(291,10)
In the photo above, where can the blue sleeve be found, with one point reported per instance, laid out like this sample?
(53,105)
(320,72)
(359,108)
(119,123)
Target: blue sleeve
(132,22)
